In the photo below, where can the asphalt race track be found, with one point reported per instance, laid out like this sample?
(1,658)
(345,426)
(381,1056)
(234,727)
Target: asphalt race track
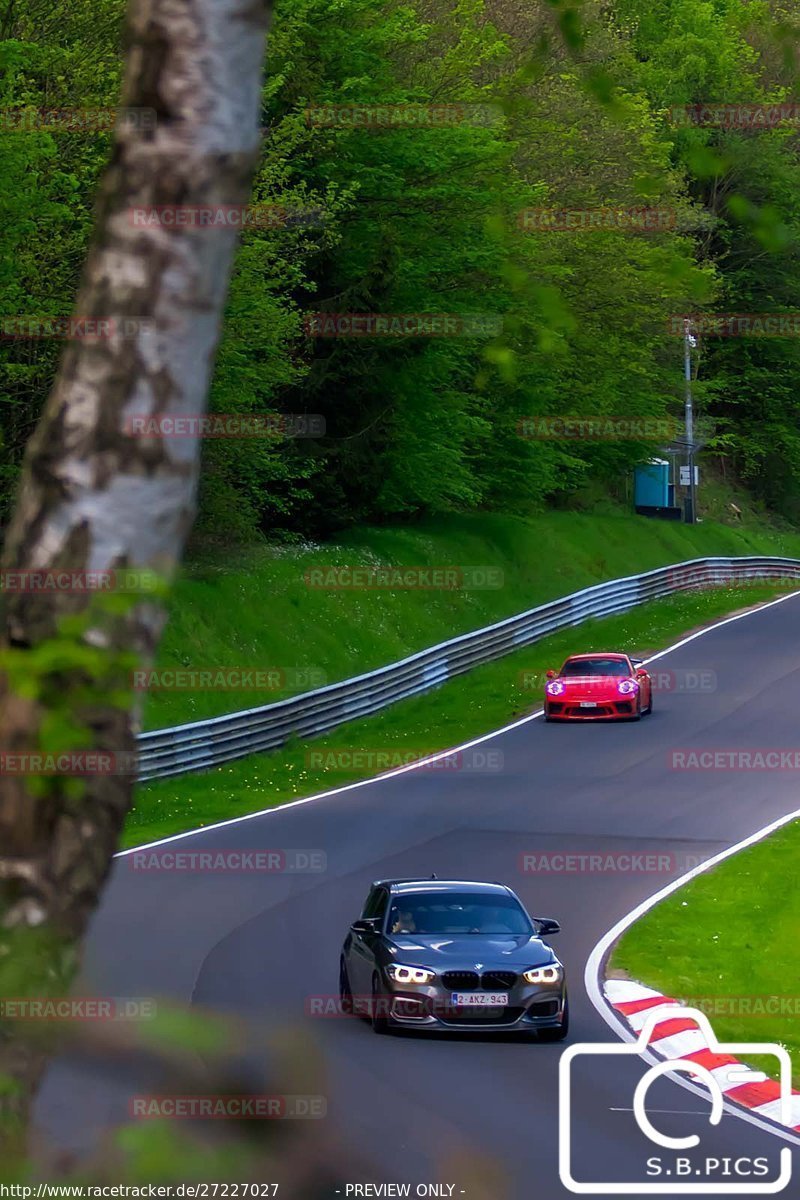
(261,945)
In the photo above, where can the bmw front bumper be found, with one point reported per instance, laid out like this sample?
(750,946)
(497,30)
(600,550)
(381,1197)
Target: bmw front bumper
(429,1007)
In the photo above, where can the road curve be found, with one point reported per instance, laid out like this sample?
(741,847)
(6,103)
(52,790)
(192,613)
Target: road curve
(258,946)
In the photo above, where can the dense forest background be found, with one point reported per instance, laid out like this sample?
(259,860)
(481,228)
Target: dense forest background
(426,220)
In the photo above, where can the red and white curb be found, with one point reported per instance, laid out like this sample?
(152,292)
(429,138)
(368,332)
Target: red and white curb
(677,1037)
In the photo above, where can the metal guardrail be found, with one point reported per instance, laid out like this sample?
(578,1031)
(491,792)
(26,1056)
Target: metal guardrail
(204,744)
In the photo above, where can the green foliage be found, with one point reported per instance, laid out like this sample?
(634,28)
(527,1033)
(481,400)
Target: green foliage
(62,55)
(748,183)
(572,111)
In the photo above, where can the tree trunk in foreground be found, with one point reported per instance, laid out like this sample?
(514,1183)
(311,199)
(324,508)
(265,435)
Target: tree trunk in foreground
(95,498)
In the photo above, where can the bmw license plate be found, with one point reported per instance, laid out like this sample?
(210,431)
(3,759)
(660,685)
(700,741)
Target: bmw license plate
(479,999)
(588,704)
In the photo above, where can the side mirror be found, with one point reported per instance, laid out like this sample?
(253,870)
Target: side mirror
(367,925)
(641,673)
(552,674)
(546,926)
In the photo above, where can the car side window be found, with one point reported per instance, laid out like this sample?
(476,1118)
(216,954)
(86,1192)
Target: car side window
(383,902)
(375,905)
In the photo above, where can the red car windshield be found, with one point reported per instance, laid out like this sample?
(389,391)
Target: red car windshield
(595,667)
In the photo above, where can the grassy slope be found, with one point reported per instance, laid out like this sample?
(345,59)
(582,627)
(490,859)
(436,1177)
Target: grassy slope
(730,934)
(255,610)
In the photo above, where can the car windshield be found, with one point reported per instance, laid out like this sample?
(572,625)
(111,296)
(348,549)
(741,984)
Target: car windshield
(595,666)
(453,913)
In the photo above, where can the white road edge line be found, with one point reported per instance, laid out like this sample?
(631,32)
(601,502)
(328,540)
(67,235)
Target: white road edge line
(595,962)
(359,783)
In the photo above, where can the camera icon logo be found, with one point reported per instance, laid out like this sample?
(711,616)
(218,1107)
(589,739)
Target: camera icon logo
(717,1080)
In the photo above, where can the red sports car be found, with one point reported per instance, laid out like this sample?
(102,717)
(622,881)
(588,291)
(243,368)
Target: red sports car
(591,687)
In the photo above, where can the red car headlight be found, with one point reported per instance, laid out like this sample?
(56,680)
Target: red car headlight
(628,687)
(555,688)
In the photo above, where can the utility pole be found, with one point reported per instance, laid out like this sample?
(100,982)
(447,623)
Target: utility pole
(689,341)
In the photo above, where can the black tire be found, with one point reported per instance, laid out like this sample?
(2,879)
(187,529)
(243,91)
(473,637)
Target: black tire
(557,1035)
(649,708)
(637,716)
(345,991)
(379,1024)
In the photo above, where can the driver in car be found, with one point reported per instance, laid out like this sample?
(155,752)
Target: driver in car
(404,923)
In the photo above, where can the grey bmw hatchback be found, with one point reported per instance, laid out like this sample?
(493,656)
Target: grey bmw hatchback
(449,955)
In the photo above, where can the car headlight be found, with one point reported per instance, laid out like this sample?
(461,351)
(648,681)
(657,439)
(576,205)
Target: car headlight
(555,688)
(549,974)
(403,974)
(627,687)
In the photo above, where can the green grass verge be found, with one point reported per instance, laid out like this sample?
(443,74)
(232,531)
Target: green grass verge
(252,608)
(727,941)
(465,707)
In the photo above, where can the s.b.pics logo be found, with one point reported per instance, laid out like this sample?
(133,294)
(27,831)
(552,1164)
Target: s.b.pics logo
(667,1159)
